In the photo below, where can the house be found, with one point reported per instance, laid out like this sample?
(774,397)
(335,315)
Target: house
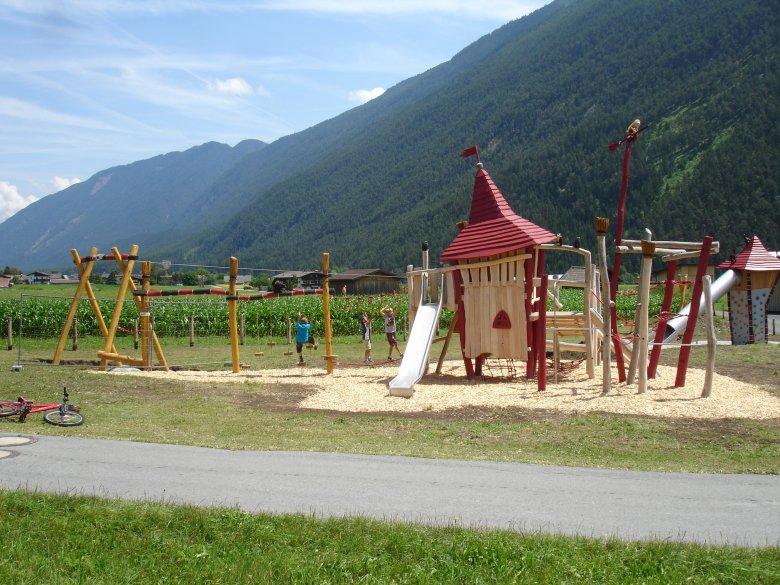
(6,281)
(298,279)
(241,279)
(39,278)
(367,281)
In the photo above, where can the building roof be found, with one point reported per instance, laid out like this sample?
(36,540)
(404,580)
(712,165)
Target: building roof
(296,274)
(358,273)
(754,258)
(493,227)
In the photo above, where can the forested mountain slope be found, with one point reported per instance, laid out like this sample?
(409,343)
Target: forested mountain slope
(543,104)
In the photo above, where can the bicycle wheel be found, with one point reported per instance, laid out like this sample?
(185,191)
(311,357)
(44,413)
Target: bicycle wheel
(63,419)
(8,408)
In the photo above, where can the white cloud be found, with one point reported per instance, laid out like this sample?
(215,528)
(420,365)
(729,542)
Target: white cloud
(364,95)
(497,10)
(11,201)
(61,183)
(233,86)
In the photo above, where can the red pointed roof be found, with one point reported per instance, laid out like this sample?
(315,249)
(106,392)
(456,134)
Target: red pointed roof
(493,227)
(754,257)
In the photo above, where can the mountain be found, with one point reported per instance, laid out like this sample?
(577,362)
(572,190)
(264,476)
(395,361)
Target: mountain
(117,207)
(542,97)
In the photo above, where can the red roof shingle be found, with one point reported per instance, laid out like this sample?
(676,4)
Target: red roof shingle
(493,227)
(754,258)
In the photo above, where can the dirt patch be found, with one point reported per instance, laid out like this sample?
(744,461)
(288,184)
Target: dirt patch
(451,395)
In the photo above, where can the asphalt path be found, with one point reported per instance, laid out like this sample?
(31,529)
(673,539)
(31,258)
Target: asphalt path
(742,510)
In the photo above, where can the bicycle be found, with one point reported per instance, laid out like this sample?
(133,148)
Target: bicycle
(61,414)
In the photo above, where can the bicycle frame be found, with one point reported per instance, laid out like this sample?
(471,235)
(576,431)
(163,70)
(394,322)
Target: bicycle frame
(21,407)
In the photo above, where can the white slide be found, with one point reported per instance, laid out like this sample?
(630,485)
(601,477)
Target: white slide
(675,327)
(415,360)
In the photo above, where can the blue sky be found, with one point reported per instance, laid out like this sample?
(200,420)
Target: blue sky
(90,84)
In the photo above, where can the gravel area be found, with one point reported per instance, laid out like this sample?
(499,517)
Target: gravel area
(364,389)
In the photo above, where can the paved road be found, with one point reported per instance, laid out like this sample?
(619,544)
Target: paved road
(732,509)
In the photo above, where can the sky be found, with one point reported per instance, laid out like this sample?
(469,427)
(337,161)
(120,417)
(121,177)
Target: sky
(86,85)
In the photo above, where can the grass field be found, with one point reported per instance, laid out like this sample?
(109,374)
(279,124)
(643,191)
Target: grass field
(57,539)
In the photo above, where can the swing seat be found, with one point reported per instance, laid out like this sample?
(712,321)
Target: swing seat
(288,353)
(259,354)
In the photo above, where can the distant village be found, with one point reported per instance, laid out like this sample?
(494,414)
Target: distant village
(357,281)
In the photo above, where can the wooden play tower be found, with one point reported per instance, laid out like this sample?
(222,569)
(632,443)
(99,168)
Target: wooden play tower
(497,255)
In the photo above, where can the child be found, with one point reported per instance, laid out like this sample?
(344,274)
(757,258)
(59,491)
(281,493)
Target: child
(365,335)
(303,335)
(387,313)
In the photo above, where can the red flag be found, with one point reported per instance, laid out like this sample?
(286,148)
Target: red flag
(470,152)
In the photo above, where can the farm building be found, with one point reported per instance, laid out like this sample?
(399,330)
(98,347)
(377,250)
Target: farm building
(40,277)
(366,281)
(298,279)
(6,281)
(240,279)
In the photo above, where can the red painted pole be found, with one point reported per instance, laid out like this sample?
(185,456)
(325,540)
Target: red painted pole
(693,314)
(628,140)
(663,318)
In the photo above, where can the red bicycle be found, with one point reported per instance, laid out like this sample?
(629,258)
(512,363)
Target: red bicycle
(61,414)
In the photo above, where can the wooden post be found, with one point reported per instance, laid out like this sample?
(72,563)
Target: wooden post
(602,225)
(289,331)
(127,275)
(326,313)
(120,298)
(9,328)
(648,249)
(192,331)
(83,287)
(446,344)
(541,337)
(135,333)
(666,305)
(712,340)
(146,314)
(530,326)
(586,301)
(693,314)
(683,289)
(75,334)
(242,329)
(232,322)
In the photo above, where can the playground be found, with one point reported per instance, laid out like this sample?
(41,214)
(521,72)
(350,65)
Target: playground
(519,347)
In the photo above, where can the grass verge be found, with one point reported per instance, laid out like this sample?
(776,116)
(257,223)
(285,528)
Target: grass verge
(63,540)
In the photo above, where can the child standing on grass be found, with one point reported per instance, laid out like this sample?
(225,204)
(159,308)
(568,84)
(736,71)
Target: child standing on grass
(389,316)
(303,335)
(365,335)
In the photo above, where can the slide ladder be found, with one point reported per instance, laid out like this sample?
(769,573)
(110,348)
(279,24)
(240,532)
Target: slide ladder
(415,360)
